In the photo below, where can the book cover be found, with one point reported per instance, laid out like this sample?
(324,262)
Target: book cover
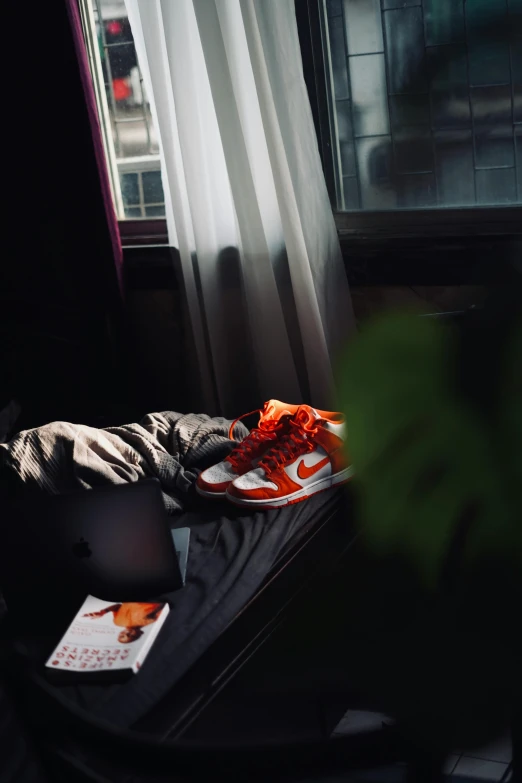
(181,538)
(107,637)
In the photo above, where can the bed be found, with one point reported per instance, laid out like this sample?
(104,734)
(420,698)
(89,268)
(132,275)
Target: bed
(243,572)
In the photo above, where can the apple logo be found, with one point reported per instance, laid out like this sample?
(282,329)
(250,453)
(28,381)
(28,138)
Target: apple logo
(82,549)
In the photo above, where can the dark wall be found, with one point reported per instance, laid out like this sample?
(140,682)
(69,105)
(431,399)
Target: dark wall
(60,313)
(161,356)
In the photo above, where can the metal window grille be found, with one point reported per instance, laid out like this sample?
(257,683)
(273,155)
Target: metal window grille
(425,108)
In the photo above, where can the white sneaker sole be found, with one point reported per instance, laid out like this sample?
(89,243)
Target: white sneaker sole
(311,489)
(205,494)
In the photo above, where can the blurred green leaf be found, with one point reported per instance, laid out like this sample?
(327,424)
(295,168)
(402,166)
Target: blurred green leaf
(436,481)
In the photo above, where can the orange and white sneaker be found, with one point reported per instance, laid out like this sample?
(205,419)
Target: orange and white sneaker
(308,458)
(213,482)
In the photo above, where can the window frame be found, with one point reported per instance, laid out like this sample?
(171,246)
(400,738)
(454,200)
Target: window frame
(452,222)
(460,224)
(133,232)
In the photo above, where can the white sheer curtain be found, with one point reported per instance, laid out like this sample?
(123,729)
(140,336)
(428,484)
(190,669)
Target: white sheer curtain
(247,205)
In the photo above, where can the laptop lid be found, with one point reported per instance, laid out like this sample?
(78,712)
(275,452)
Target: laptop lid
(113,542)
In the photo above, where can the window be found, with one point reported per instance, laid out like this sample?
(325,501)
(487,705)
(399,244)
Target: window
(424,102)
(417,106)
(129,135)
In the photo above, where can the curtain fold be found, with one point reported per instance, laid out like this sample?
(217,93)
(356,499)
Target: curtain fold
(247,205)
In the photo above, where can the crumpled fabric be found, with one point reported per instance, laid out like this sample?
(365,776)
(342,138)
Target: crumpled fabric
(173,447)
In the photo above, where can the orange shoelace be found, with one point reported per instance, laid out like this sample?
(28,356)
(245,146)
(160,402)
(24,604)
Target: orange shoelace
(263,432)
(290,446)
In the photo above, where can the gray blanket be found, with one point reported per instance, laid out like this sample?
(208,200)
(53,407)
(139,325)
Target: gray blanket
(63,457)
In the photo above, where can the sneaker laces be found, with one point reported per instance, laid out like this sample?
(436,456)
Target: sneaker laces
(266,430)
(298,440)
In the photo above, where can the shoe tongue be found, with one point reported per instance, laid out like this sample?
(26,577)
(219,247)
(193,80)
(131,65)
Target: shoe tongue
(306,416)
(273,410)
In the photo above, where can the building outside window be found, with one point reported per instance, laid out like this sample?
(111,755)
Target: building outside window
(130,137)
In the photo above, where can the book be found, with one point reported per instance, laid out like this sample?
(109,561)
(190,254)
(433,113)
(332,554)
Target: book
(181,538)
(105,637)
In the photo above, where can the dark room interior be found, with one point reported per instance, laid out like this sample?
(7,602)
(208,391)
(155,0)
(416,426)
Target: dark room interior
(224,204)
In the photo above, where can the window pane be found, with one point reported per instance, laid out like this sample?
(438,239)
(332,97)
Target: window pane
(405,50)
(417,191)
(351,193)
(431,120)
(348,159)
(132,212)
(406,110)
(142,194)
(516,66)
(487,24)
(413,151)
(130,189)
(364,28)
(447,66)
(494,147)
(488,63)
(450,108)
(448,74)
(454,167)
(132,137)
(374,159)
(152,212)
(334,7)
(518,150)
(496,186)
(344,120)
(483,16)
(369,95)
(338,51)
(387,4)
(120,59)
(444,20)
(491,105)
(125,115)
(152,187)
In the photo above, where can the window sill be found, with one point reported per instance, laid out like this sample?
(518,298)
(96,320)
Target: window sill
(463,223)
(446,247)
(136,233)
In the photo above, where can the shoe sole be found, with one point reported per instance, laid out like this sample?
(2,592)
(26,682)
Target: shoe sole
(205,494)
(296,497)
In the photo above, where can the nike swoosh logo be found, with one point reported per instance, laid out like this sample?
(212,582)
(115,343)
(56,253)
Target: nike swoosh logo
(303,472)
